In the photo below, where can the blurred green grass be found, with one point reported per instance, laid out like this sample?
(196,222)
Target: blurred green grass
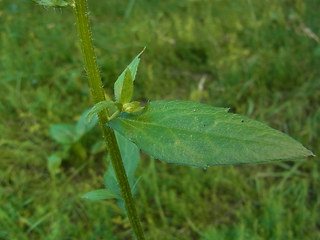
(261,58)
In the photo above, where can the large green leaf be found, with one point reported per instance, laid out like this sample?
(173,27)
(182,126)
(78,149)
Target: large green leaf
(201,135)
(119,84)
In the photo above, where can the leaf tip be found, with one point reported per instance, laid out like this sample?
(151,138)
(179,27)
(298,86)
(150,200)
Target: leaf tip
(306,152)
(311,154)
(139,55)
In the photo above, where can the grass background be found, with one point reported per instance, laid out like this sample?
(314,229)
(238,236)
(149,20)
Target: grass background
(261,58)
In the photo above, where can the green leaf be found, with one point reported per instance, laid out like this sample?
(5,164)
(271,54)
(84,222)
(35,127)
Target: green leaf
(63,133)
(54,3)
(83,126)
(119,84)
(98,147)
(130,156)
(54,162)
(68,133)
(200,135)
(98,107)
(126,89)
(100,194)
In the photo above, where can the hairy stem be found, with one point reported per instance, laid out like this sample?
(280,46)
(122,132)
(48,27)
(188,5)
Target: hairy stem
(81,15)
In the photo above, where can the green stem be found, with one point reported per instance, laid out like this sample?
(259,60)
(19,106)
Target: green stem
(81,15)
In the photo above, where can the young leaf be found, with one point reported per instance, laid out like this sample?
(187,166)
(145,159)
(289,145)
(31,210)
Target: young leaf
(100,106)
(119,84)
(201,135)
(101,194)
(127,88)
(64,133)
(83,125)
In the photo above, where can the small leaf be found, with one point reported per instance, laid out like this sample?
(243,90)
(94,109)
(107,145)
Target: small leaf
(54,3)
(132,107)
(98,147)
(83,126)
(200,135)
(127,88)
(63,133)
(98,107)
(54,162)
(101,194)
(119,84)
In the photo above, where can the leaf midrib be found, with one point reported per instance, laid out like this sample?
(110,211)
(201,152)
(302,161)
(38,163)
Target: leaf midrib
(197,132)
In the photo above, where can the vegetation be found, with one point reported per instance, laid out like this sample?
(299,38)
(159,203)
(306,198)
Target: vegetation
(257,63)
